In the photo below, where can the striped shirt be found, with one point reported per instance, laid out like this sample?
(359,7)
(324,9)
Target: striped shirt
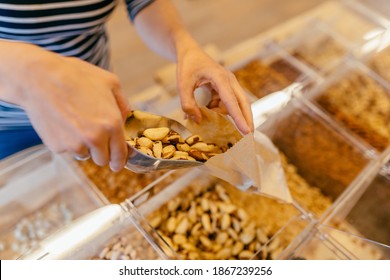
(71,28)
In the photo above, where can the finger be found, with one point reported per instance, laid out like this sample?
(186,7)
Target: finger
(118,150)
(216,104)
(188,102)
(214,101)
(99,149)
(243,102)
(229,99)
(121,100)
(80,152)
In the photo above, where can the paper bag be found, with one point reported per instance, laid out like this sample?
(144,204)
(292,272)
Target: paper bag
(253,161)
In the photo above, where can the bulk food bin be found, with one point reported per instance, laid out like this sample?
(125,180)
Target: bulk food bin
(203,217)
(321,159)
(355,23)
(266,70)
(39,193)
(378,9)
(359,100)
(365,212)
(327,243)
(316,46)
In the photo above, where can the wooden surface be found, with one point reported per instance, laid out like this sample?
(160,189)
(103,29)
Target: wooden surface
(223,23)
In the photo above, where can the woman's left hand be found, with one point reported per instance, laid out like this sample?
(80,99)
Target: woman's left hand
(195,69)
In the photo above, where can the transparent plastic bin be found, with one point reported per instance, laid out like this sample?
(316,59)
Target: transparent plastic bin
(128,240)
(202,217)
(116,186)
(378,9)
(354,23)
(359,100)
(268,70)
(39,193)
(378,59)
(112,232)
(317,46)
(365,212)
(327,243)
(326,159)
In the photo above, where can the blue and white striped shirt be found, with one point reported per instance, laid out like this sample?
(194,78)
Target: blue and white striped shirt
(71,28)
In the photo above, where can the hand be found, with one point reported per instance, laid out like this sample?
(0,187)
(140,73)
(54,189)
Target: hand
(76,107)
(196,69)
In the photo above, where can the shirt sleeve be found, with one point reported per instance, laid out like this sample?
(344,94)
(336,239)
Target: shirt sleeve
(135,6)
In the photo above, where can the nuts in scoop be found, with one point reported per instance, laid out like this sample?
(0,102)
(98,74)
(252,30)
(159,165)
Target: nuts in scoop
(162,142)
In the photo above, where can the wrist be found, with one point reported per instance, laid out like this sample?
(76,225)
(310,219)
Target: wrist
(184,43)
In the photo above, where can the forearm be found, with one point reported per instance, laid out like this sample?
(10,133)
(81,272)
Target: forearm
(160,27)
(16,59)
(21,64)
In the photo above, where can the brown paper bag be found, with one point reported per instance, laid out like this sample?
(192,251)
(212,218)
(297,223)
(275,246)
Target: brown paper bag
(252,163)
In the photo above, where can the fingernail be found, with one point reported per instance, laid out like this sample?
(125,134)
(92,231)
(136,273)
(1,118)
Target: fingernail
(115,167)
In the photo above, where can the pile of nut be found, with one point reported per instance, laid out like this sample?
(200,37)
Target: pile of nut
(117,186)
(380,63)
(164,143)
(129,246)
(33,228)
(218,221)
(363,105)
(204,223)
(308,196)
(323,156)
(260,79)
(321,54)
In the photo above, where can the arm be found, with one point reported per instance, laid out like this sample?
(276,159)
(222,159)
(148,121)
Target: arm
(74,106)
(160,27)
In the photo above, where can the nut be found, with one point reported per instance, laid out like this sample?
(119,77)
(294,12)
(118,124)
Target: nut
(191,140)
(206,222)
(184,147)
(205,241)
(225,222)
(198,155)
(202,147)
(146,151)
(168,151)
(156,134)
(182,227)
(237,248)
(224,254)
(245,255)
(157,149)
(144,142)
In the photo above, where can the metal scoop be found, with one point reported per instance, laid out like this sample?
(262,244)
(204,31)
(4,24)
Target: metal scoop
(141,163)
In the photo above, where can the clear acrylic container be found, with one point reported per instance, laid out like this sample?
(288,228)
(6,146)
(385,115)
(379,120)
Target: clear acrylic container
(325,158)
(378,9)
(365,212)
(317,46)
(355,23)
(268,70)
(327,243)
(39,194)
(378,57)
(202,217)
(359,100)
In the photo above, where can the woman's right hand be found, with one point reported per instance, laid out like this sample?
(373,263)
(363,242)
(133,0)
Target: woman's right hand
(74,106)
